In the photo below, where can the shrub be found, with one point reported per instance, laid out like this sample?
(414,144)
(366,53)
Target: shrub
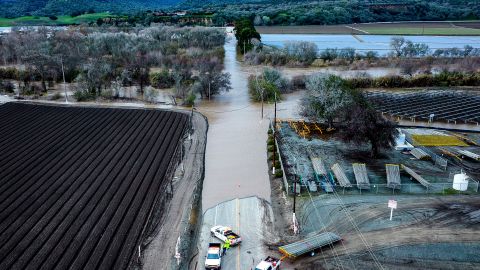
(56,96)
(450,191)
(424,80)
(190,100)
(278,173)
(277,164)
(162,79)
(81,95)
(9,73)
(276,157)
(298,82)
(7,87)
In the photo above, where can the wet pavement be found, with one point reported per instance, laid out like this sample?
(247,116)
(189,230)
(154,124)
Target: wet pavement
(252,219)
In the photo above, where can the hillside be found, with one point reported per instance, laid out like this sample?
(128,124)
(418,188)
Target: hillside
(16,8)
(263,12)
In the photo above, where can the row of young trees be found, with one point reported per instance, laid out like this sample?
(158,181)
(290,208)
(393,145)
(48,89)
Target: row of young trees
(102,59)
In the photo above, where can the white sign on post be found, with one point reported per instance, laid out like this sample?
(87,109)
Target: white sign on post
(392,204)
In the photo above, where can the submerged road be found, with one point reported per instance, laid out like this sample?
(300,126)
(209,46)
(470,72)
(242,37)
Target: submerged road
(236,158)
(235,168)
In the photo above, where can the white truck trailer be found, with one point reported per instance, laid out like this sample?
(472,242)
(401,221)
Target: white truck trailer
(223,233)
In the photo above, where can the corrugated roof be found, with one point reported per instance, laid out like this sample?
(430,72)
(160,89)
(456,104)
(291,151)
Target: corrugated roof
(308,244)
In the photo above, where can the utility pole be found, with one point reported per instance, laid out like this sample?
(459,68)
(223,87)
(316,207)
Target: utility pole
(274,130)
(64,82)
(294,217)
(209,90)
(258,86)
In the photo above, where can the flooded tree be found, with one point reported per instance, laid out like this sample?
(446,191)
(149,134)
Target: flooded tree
(211,80)
(363,124)
(98,59)
(327,96)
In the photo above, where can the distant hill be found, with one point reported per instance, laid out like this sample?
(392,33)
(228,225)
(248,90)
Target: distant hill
(262,12)
(15,8)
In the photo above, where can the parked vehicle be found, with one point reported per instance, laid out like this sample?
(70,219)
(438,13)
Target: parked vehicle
(214,256)
(270,263)
(223,233)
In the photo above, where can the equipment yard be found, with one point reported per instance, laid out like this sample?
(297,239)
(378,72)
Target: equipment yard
(81,188)
(426,169)
(433,227)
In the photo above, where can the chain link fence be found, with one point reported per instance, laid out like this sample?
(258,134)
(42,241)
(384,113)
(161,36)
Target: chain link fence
(434,188)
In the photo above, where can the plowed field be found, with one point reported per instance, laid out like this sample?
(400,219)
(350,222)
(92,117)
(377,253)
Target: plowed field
(77,185)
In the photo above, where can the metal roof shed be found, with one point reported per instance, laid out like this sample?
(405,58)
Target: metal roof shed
(308,244)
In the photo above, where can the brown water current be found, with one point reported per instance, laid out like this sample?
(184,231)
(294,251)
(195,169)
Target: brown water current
(236,158)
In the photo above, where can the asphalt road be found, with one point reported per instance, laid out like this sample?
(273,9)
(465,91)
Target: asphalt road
(252,219)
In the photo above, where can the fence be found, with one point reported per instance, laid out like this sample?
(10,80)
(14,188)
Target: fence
(410,188)
(285,181)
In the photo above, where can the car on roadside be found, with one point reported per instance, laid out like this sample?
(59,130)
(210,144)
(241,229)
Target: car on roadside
(223,233)
(213,259)
(270,263)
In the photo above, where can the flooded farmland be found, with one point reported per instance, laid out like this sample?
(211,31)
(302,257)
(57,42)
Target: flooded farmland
(378,43)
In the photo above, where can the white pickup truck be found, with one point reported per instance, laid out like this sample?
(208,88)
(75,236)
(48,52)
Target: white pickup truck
(223,233)
(270,263)
(214,256)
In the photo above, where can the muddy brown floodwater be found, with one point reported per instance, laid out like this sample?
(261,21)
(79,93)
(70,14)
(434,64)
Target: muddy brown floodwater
(236,160)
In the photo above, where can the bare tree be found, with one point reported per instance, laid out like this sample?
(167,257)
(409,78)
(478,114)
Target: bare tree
(326,96)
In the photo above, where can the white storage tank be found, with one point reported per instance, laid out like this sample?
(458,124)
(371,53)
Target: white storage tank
(460,182)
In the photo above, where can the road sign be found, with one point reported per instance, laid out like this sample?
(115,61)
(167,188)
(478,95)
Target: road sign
(392,204)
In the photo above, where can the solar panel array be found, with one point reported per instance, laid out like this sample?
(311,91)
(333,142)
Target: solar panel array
(447,106)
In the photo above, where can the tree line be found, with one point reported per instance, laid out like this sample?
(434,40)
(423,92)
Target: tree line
(304,53)
(264,12)
(106,61)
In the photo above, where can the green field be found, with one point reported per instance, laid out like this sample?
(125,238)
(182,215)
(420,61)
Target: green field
(62,20)
(447,28)
(450,31)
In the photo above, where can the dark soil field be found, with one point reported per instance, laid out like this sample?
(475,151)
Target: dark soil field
(78,185)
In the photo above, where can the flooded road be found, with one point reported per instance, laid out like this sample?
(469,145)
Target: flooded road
(236,158)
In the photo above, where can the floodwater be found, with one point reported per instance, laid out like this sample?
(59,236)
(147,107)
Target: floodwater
(378,43)
(236,158)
